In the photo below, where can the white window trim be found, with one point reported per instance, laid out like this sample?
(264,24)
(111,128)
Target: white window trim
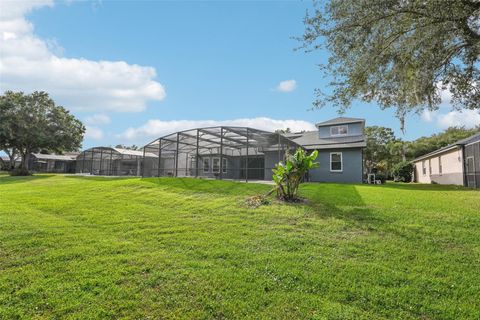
(224,165)
(341,161)
(338,134)
(208,167)
(213,161)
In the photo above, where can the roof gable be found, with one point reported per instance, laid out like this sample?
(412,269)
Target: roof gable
(339,120)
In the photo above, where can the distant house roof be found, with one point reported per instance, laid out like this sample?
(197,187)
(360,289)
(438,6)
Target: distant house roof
(455,145)
(311,140)
(129,152)
(122,151)
(339,120)
(41,156)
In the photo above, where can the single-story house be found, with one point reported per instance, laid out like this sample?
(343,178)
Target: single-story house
(458,163)
(52,163)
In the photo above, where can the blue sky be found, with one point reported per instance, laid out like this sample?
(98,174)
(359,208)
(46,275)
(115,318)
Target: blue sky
(135,70)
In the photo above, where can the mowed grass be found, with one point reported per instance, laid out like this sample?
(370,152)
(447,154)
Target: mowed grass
(98,248)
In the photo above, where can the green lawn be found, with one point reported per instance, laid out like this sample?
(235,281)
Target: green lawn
(96,248)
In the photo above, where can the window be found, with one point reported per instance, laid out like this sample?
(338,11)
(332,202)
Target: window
(339,131)
(430,166)
(440,164)
(206,164)
(336,163)
(424,168)
(216,165)
(224,165)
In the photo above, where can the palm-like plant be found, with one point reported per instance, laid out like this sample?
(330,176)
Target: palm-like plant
(288,175)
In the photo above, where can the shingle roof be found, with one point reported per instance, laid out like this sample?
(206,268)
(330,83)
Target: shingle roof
(311,140)
(462,142)
(474,138)
(339,120)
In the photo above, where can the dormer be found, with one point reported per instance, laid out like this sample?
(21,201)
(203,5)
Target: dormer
(340,127)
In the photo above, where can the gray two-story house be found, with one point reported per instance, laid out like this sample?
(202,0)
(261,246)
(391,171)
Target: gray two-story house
(237,153)
(340,144)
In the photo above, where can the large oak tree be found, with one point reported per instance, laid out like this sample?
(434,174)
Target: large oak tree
(399,53)
(33,122)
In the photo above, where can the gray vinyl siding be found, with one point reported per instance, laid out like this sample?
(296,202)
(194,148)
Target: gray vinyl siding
(352,167)
(354,129)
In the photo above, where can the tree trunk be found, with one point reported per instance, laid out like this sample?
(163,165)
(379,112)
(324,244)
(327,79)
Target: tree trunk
(24,163)
(25,160)
(12,155)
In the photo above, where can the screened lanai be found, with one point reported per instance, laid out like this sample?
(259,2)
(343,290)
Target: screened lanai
(107,161)
(238,153)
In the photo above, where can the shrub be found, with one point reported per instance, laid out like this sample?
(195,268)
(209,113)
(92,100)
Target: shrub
(402,171)
(381,177)
(288,175)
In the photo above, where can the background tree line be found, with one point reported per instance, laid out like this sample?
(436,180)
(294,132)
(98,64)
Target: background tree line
(384,150)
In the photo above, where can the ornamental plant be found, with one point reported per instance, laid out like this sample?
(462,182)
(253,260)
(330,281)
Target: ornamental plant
(288,175)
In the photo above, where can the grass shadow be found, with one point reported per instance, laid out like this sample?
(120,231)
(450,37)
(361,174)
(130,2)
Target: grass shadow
(341,201)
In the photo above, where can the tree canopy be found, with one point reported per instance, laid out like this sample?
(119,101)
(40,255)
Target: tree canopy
(426,145)
(379,140)
(401,54)
(33,122)
(385,152)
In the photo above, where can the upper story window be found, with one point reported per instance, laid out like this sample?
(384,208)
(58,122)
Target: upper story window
(339,130)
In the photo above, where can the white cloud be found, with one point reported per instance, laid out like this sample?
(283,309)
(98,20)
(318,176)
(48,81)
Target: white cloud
(456,118)
(93,133)
(287,86)
(29,63)
(467,118)
(427,115)
(155,128)
(98,119)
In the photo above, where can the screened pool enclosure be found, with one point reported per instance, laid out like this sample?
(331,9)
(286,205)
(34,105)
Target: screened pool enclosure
(238,153)
(108,161)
